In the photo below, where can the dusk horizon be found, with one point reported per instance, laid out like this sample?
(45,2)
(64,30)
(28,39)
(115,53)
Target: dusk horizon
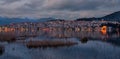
(65,9)
(59,29)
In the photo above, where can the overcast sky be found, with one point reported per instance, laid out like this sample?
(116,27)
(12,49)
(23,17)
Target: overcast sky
(65,9)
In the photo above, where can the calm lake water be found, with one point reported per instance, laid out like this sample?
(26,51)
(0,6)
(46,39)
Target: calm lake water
(90,45)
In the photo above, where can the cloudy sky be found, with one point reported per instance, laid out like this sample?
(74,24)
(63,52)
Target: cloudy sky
(65,9)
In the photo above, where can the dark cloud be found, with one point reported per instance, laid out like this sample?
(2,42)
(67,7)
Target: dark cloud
(58,8)
(35,4)
(76,5)
(10,1)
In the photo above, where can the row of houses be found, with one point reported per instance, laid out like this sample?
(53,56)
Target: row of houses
(52,25)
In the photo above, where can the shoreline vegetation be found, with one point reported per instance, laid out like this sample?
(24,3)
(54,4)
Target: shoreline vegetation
(44,44)
(2,49)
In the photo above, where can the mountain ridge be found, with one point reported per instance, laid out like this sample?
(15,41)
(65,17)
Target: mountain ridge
(111,17)
(5,20)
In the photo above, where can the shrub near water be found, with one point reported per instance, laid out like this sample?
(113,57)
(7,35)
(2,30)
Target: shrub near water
(7,37)
(34,44)
(2,49)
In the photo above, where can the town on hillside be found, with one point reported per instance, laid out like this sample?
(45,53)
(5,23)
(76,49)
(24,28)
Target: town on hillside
(105,26)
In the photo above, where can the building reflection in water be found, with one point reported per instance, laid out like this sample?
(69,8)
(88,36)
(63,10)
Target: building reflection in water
(60,33)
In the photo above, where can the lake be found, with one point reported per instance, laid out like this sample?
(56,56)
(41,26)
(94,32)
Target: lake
(59,44)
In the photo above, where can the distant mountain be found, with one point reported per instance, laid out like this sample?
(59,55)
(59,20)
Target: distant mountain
(5,20)
(88,19)
(45,19)
(111,17)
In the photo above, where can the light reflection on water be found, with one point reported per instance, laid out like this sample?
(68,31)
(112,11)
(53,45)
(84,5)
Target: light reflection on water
(91,45)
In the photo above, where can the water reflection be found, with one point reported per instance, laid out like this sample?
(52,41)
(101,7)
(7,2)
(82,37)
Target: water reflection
(84,36)
(88,44)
